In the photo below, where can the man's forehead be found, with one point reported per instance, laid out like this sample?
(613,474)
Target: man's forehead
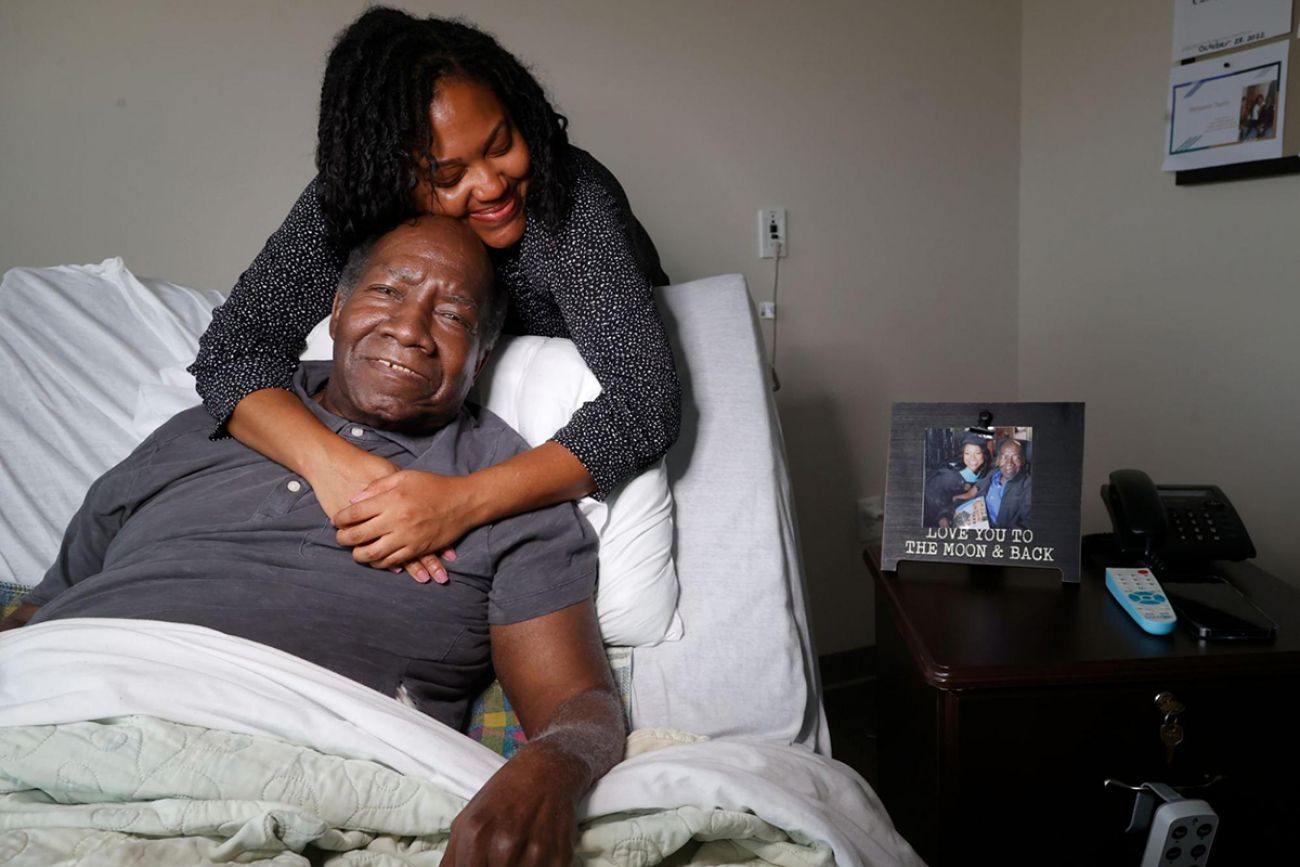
(403,273)
(415,254)
(450,286)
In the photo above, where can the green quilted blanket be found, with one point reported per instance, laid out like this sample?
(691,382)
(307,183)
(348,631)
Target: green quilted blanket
(143,791)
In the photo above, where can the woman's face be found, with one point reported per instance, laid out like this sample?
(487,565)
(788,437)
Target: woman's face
(482,163)
(973,456)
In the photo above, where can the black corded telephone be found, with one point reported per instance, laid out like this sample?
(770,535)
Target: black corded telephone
(1176,530)
(1176,524)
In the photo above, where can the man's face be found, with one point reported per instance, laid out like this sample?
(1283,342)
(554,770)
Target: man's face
(407,339)
(1010,460)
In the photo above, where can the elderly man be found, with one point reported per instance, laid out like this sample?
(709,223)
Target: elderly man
(211,533)
(1007,490)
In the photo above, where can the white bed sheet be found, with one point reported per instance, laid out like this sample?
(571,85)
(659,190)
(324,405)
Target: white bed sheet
(746,664)
(75,670)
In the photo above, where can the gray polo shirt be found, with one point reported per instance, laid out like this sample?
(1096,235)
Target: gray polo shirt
(191,530)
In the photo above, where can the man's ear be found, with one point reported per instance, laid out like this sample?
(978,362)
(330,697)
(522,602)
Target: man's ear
(482,360)
(335,310)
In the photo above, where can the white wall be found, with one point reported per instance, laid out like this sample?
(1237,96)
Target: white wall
(1171,310)
(176,134)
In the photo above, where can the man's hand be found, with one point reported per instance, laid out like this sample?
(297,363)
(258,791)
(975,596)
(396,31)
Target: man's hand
(524,816)
(19,616)
(405,516)
(348,477)
(556,675)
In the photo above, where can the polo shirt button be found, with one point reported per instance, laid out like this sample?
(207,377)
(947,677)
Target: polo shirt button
(357,432)
(295,486)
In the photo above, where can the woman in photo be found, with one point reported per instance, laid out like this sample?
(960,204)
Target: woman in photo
(955,481)
(432,116)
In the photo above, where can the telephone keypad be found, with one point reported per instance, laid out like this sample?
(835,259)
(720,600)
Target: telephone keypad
(1195,521)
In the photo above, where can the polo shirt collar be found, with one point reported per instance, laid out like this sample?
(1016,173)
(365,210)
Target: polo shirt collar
(312,376)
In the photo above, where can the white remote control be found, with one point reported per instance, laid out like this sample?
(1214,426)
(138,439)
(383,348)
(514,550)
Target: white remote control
(1140,594)
(1181,834)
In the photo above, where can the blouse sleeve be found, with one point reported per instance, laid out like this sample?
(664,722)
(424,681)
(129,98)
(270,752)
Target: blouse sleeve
(256,336)
(609,308)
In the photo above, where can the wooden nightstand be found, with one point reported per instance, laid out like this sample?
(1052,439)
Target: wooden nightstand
(1006,698)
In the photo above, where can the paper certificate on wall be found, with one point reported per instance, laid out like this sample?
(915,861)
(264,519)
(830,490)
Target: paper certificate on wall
(1203,26)
(1227,109)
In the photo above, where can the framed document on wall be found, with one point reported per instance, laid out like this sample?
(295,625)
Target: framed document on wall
(997,483)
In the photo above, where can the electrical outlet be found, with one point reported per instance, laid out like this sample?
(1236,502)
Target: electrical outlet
(771,233)
(766,310)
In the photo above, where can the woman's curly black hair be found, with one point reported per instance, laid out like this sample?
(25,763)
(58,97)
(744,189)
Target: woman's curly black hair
(374,118)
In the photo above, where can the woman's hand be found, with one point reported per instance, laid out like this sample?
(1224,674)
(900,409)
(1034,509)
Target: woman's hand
(405,516)
(275,423)
(347,478)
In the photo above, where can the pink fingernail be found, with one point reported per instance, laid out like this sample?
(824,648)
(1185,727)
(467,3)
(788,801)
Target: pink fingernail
(422,576)
(449,556)
(440,576)
(394,568)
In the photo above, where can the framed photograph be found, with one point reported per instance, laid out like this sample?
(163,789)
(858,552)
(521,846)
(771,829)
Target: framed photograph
(997,484)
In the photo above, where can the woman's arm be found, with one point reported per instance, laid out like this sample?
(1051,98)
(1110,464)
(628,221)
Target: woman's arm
(609,310)
(256,336)
(412,512)
(275,423)
(249,352)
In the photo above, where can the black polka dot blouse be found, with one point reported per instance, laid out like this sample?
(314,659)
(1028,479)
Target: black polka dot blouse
(590,281)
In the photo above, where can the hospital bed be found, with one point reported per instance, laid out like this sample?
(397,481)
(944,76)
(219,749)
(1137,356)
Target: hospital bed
(729,752)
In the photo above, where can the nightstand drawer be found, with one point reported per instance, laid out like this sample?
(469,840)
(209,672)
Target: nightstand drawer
(1041,757)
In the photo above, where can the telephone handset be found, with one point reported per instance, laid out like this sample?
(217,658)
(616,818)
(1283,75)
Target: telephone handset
(1174,523)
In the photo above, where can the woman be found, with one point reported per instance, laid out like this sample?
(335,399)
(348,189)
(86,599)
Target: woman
(429,116)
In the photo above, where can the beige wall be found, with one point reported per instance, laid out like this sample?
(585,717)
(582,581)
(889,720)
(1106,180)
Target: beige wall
(1171,310)
(176,134)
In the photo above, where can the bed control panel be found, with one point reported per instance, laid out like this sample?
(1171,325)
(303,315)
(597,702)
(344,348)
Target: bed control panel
(1179,830)
(1181,834)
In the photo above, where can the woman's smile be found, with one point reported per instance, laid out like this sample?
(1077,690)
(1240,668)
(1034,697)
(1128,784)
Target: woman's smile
(501,212)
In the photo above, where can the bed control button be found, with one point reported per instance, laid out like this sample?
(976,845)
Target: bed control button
(295,486)
(357,432)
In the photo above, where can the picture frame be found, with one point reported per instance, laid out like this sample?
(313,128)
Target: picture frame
(997,484)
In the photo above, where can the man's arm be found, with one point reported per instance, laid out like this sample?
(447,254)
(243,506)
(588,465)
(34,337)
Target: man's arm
(109,502)
(19,616)
(556,674)
(1026,503)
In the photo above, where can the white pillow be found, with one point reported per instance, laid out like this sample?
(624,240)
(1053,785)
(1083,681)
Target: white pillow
(535,384)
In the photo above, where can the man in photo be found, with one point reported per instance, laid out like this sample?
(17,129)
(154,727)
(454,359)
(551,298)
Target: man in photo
(1006,491)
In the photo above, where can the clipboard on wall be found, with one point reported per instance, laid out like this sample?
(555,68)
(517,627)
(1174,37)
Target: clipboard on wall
(1230,112)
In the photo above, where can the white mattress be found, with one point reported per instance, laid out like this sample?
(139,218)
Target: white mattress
(76,343)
